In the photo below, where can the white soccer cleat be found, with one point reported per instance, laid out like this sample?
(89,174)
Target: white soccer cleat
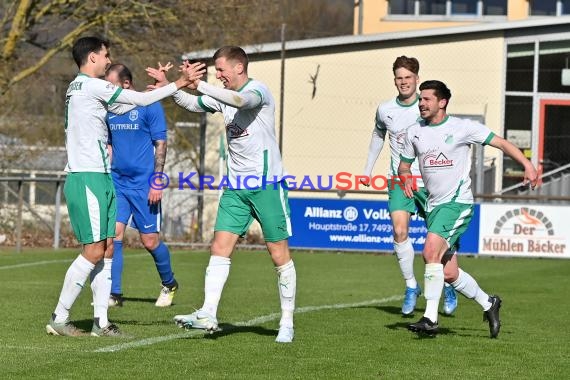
(285,335)
(197,320)
(166,295)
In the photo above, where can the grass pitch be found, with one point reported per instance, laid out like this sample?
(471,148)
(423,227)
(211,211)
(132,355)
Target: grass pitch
(348,323)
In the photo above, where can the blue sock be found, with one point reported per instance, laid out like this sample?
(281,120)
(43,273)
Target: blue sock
(161,256)
(117,267)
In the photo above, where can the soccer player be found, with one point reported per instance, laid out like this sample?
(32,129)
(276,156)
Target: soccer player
(138,146)
(392,118)
(249,112)
(441,143)
(88,186)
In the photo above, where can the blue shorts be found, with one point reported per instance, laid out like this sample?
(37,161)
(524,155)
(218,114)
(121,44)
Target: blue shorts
(133,207)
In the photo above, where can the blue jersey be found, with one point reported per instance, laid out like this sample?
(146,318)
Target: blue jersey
(132,137)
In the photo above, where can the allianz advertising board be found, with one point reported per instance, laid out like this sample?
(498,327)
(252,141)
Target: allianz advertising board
(359,225)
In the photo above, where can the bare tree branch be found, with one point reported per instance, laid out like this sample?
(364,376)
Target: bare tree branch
(65,42)
(17,28)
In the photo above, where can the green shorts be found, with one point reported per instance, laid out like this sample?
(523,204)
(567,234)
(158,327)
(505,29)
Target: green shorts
(269,206)
(397,200)
(91,204)
(450,220)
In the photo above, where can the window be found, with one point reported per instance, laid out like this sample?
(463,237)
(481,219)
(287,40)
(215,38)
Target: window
(432,7)
(405,7)
(554,57)
(565,7)
(495,8)
(543,7)
(518,127)
(464,7)
(450,8)
(549,7)
(520,66)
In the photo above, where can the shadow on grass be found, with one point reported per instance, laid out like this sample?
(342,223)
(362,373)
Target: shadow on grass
(394,310)
(87,324)
(84,324)
(135,299)
(404,326)
(229,329)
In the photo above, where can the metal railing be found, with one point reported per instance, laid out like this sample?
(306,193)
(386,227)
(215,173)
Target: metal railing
(21,203)
(544,176)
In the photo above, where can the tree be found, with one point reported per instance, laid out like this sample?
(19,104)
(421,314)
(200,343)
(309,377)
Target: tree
(36,36)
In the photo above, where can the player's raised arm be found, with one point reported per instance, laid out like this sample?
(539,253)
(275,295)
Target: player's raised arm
(241,100)
(374,149)
(404,169)
(530,173)
(146,98)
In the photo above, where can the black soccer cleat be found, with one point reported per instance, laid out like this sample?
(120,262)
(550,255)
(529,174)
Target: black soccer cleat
(116,300)
(424,325)
(492,315)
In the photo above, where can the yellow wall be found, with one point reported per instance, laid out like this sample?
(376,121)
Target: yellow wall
(518,9)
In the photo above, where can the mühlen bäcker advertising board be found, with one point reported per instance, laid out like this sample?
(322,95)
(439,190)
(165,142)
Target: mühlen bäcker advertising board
(524,230)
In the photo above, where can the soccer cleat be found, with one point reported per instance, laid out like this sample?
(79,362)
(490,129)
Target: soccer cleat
(115,300)
(410,298)
(424,325)
(285,335)
(492,315)
(110,330)
(62,328)
(166,295)
(449,300)
(197,320)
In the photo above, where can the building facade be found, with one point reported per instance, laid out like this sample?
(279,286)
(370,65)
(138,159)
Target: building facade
(380,16)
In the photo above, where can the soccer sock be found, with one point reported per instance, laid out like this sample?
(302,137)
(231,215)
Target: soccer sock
(405,253)
(72,284)
(117,268)
(217,273)
(433,287)
(101,287)
(466,285)
(287,283)
(161,256)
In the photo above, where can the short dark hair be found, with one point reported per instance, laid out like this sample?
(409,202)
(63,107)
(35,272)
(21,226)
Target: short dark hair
(440,89)
(85,45)
(409,63)
(122,71)
(234,53)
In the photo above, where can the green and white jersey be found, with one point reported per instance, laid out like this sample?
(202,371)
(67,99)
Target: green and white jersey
(250,134)
(444,157)
(86,134)
(395,118)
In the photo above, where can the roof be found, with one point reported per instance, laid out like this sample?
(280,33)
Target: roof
(16,156)
(481,27)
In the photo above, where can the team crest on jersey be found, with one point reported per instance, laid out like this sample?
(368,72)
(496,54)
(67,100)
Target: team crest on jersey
(448,139)
(400,139)
(437,161)
(234,131)
(133,115)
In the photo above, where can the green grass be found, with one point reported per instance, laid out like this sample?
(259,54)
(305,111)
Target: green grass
(367,341)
